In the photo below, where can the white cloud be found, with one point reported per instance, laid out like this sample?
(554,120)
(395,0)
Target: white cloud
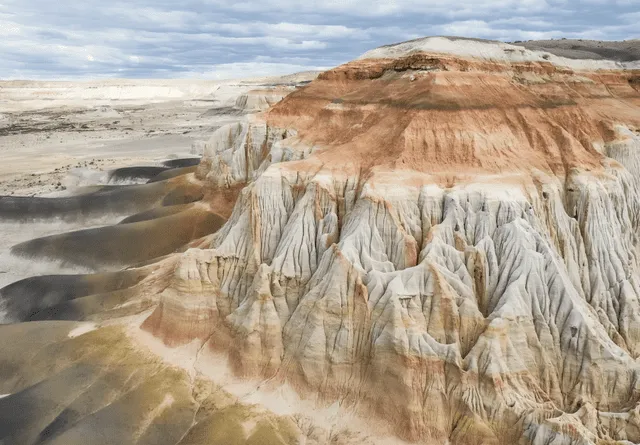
(164,38)
(368,8)
(149,16)
(288,30)
(251,69)
(633,18)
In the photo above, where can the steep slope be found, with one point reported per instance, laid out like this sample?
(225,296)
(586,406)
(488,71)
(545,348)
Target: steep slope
(442,236)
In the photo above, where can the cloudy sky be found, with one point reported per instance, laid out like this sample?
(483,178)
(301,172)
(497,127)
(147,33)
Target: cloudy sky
(216,39)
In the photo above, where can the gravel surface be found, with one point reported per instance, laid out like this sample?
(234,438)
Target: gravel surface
(625,51)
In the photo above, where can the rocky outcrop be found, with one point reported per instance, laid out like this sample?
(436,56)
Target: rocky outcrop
(442,242)
(254,101)
(239,153)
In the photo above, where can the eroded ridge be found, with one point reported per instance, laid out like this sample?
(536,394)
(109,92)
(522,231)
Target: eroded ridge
(445,244)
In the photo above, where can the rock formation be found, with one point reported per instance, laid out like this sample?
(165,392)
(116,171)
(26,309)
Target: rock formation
(436,243)
(443,236)
(259,100)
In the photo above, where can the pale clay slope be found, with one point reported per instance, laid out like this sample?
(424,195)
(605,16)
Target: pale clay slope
(23,94)
(489,312)
(319,424)
(492,281)
(491,50)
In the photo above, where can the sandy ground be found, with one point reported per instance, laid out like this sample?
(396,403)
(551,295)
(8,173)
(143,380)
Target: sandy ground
(278,398)
(46,145)
(38,148)
(52,133)
(50,128)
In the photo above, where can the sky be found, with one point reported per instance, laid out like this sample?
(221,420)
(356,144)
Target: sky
(217,39)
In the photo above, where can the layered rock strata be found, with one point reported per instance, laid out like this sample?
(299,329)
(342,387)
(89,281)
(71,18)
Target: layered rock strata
(440,240)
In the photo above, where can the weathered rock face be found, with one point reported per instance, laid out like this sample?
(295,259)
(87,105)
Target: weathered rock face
(259,100)
(445,243)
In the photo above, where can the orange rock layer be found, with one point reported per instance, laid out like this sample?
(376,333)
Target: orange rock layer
(439,113)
